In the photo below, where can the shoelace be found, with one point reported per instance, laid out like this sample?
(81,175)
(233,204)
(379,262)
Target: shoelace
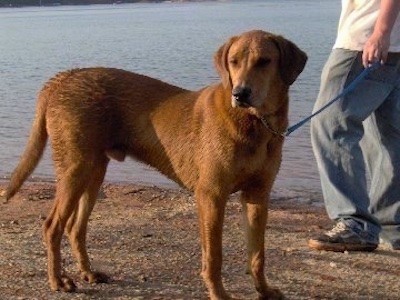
(339,228)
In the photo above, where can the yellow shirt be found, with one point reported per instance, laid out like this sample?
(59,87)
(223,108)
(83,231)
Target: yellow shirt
(357,22)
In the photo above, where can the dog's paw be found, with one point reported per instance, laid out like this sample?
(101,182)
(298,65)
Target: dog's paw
(64,284)
(95,277)
(3,196)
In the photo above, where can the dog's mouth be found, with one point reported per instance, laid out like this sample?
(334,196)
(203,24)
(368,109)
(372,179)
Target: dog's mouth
(237,102)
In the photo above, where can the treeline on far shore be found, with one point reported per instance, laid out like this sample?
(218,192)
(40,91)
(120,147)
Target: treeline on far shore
(19,3)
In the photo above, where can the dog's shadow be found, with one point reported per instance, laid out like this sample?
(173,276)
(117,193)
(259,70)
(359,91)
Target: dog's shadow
(133,288)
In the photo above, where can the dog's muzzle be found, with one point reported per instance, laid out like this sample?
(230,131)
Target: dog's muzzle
(241,97)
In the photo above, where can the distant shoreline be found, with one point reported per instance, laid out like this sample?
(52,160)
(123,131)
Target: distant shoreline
(50,3)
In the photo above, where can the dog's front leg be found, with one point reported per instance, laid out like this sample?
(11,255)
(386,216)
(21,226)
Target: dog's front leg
(255,210)
(211,208)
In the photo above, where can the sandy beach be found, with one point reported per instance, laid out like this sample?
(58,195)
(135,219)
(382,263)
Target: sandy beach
(146,239)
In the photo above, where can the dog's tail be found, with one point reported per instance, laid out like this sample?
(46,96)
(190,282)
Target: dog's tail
(33,150)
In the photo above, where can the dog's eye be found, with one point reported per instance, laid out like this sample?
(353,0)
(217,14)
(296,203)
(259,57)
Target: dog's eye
(262,62)
(233,62)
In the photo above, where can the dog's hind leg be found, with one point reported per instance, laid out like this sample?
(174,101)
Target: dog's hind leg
(255,210)
(77,224)
(70,187)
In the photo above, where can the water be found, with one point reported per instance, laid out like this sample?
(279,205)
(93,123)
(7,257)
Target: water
(170,41)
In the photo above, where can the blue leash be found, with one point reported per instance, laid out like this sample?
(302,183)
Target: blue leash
(351,87)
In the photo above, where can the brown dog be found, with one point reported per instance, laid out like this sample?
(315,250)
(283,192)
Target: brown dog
(211,141)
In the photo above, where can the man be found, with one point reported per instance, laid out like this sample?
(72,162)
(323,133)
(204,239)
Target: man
(365,208)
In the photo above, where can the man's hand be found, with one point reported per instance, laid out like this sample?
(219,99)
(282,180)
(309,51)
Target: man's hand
(376,49)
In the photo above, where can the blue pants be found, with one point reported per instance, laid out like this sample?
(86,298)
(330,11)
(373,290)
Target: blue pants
(356,142)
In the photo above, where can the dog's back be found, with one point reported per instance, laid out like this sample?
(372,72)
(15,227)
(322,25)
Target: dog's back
(94,110)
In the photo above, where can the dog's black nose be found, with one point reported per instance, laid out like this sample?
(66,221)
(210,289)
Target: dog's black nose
(241,94)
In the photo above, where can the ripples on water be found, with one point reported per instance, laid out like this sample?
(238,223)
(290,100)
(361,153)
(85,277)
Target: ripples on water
(172,42)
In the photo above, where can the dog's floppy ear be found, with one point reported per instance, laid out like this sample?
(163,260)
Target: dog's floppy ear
(221,62)
(291,61)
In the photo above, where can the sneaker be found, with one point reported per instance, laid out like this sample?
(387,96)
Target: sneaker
(343,238)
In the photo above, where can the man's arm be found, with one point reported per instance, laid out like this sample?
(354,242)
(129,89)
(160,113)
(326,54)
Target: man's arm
(377,46)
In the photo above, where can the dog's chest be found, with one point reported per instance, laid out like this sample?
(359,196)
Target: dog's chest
(250,157)
(257,160)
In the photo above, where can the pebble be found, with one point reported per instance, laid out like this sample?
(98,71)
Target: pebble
(14,222)
(333,265)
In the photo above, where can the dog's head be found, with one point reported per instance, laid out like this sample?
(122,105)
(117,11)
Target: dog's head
(252,64)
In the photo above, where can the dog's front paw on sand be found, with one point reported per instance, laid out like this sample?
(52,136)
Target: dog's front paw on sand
(3,196)
(95,277)
(64,284)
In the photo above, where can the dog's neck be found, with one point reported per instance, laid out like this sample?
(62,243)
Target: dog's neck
(270,128)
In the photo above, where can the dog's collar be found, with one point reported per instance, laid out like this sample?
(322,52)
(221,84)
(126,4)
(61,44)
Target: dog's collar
(266,124)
